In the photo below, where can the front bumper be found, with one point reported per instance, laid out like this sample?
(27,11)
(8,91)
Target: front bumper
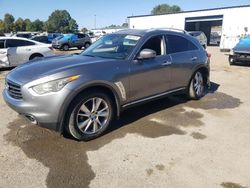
(241,57)
(45,109)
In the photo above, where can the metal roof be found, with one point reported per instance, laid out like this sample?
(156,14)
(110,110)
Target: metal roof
(222,8)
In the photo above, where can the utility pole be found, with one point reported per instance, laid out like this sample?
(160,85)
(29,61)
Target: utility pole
(95,21)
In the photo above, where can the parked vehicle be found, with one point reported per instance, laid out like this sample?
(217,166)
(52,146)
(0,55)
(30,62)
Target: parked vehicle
(15,51)
(241,52)
(23,35)
(52,36)
(215,38)
(81,94)
(42,39)
(200,36)
(72,40)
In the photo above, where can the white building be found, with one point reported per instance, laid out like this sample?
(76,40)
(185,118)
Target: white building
(233,22)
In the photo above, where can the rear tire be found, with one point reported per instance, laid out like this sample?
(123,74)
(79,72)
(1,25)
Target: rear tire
(196,88)
(35,56)
(79,47)
(89,115)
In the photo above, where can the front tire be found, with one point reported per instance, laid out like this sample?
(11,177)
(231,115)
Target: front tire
(90,115)
(86,45)
(65,47)
(196,86)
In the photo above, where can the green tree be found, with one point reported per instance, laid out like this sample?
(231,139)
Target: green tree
(165,9)
(9,23)
(73,26)
(2,26)
(61,21)
(37,25)
(84,30)
(28,25)
(125,25)
(20,25)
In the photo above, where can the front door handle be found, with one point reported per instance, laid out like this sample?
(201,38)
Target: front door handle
(166,63)
(194,58)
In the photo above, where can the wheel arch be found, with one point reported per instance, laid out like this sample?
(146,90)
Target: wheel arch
(205,72)
(35,54)
(109,90)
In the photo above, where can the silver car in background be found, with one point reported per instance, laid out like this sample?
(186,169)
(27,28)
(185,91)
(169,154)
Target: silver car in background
(200,36)
(82,94)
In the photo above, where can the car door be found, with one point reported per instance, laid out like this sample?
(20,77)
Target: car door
(150,77)
(81,39)
(74,41)
(19,51)
(184,57)
(4,61)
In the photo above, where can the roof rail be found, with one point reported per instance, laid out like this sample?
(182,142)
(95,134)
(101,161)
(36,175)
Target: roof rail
(171,29)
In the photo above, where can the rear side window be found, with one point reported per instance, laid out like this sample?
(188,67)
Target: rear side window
(2,44)
(18,43)
(81,35)
(177,44)
(29,43)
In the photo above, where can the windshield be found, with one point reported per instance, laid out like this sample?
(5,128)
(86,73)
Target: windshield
(114,46)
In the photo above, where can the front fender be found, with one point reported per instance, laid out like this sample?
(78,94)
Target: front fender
(104,84)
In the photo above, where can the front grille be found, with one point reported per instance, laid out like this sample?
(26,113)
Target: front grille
(14,90)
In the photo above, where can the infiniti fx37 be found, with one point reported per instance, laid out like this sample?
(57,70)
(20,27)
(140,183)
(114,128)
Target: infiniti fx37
(81,94)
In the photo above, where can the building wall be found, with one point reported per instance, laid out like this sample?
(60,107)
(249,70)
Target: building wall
(234,21)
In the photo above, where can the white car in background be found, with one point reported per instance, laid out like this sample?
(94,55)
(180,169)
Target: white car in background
(15,51)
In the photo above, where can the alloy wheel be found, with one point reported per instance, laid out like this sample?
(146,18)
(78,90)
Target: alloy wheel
(92,115)
(198,84)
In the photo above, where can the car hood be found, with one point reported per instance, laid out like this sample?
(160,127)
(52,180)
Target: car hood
(243,46)
(47,66)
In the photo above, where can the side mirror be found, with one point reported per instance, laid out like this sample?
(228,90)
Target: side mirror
(146,54)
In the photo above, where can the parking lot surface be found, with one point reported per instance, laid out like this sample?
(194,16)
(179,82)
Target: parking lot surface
(170,142)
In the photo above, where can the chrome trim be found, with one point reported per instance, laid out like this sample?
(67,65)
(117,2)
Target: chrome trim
(121,89)
(13,89)
(152,97)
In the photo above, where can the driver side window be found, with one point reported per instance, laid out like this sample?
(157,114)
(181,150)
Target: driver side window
(156,43)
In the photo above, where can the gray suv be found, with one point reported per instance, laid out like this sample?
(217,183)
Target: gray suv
(81,94)
(67,41)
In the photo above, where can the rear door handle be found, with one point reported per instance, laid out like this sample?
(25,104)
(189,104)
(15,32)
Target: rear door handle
(166,63)
(194,58)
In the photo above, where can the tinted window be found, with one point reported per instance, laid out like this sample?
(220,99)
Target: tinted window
(155,43)
(2,44)
(18,43)
(28,35)
(177,44)
(81,35)
(29,43)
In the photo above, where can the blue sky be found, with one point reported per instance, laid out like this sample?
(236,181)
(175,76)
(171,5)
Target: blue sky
(107,12)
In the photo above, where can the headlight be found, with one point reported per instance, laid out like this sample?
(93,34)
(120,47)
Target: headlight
(231,52)
(53,86)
